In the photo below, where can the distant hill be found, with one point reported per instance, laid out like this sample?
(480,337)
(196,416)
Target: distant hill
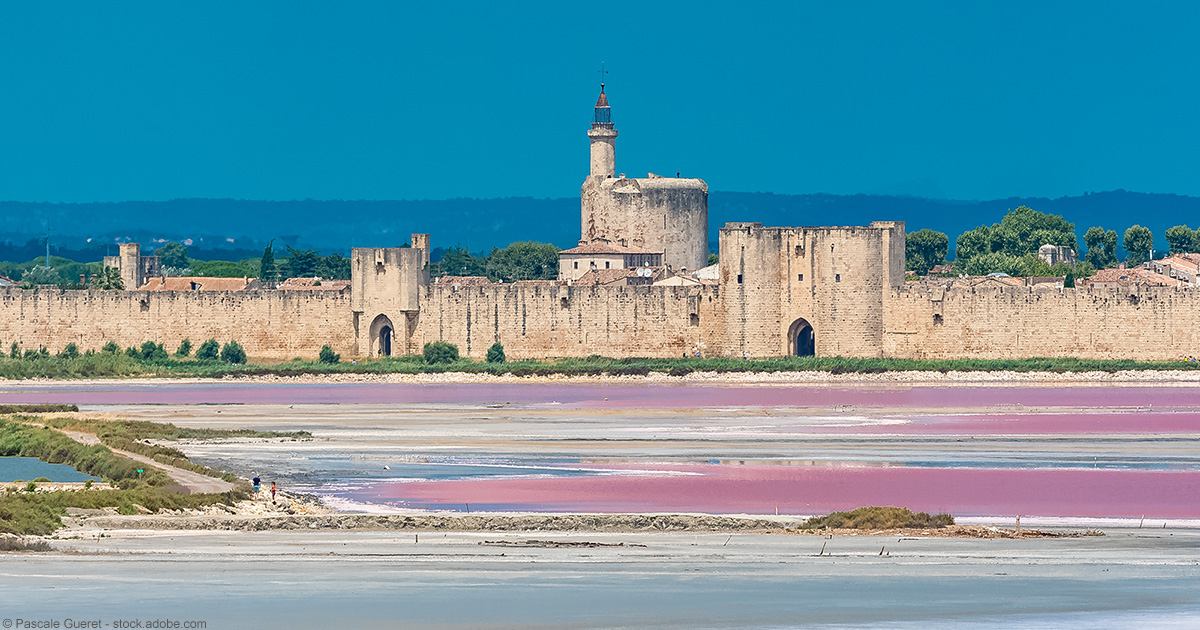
(237,228)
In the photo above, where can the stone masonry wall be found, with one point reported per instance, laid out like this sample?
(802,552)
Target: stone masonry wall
(539,321)
(268,324)
(1153,323)
(835,278)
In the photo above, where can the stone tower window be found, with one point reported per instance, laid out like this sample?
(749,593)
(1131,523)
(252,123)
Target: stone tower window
(607,264)
(837,277)
(739,278)
(937,319)
(576,264)
(800,251)
(800,277)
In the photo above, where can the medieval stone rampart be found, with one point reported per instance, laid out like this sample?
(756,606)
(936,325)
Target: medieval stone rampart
(1146,323)
(544,320)
(270,324)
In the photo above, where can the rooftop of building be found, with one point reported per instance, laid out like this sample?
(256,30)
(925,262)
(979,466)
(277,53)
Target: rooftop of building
(315,283)
(606,247)
(198,283)
(461,281)
(1130,276)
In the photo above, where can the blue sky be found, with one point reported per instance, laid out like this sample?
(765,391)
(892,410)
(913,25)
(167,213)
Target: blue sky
(391,100)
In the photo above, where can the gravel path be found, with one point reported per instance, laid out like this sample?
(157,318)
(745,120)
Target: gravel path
(194,482)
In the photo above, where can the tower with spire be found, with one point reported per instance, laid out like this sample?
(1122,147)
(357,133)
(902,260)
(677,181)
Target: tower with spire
(651,215)
(604,139)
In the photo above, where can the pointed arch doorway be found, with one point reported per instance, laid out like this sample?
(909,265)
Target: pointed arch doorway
(802,342)
(382,334)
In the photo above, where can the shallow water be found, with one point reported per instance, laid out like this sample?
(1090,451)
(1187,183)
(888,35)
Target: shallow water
(30,468)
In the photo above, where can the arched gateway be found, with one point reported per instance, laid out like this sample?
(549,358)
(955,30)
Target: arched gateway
(381,336)
(801,341)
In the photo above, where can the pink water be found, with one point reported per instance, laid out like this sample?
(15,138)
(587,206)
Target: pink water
(807,490)
(1040,488)
(671,396)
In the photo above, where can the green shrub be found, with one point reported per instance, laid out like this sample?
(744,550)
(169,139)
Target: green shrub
(495,354)
(878,518)
(153,352)
(42,480)
(133,353)
(111,348)
(30,487)
(71,351)
(185,348)
(440,352)
(233,353)
(209,351)
(14,351)
(328,355)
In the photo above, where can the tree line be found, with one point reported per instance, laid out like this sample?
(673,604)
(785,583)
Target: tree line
(1011,246)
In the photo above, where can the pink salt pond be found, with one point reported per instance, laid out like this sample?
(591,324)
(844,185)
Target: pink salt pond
(763,489)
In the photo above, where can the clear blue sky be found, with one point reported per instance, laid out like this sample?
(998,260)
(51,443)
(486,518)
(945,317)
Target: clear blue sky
(399,100)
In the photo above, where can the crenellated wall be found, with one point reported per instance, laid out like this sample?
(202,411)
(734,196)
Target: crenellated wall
(268,324)
(1004,322)
(544,320)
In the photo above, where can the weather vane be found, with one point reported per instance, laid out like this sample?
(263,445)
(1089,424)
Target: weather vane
(602,72)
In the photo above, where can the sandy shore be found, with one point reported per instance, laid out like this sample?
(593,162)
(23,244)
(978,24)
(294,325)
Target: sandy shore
(968,378)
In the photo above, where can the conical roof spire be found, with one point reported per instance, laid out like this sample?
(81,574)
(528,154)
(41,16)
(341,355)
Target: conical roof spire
(603,119)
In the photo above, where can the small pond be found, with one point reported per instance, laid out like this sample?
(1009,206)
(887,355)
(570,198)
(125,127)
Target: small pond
(30,468)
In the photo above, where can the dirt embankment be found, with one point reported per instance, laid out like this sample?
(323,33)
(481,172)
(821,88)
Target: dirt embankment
(442,522)
(951,531)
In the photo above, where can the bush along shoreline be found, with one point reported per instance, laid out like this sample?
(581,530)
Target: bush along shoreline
(214,360)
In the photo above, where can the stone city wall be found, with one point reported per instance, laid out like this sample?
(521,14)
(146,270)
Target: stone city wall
(268,324)
(1151,323)
(543,320)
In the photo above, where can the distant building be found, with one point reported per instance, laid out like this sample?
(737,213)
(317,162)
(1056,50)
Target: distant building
(602,255)
(135,269)
(1127,278)
(1054,254)
(1182,267)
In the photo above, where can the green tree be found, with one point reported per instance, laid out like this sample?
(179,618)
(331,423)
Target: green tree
(973,243)
(209,351)
(457,261)
(1138,243)
(925,248)
(1182,239)
(223,269)
(525,260)
(39,275)
(233,353)
(111,348)
(266,269)
(301,263)
(328,355)
(994,262)
(172,255)
(440,352)
(108,279)
(14,351)
(334,267)
(70,351)
(495,353)
(1021,231)
(713,259)
(185,348)
(1101,246)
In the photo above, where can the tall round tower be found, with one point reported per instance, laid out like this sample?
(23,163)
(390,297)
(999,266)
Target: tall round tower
(604,139)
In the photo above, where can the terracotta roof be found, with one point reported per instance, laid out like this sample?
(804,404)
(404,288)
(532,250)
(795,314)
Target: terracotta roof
(604,247)
(314,284)
(605,276)
(1130,276)
(464,281)
(603,100)
(198,283)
